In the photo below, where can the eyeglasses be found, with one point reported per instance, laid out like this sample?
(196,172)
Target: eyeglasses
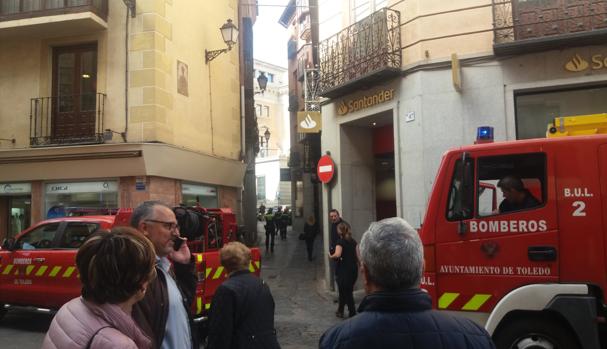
(167,225)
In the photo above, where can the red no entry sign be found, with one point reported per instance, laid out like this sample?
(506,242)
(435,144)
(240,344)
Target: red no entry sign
(325,169)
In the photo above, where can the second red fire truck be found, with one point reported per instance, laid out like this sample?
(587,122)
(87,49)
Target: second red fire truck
(38,271)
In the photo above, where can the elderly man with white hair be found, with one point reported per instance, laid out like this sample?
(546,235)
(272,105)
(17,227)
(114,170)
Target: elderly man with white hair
(396,313)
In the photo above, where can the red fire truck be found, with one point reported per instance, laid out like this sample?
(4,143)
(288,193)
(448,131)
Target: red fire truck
(38,271)
(535,277)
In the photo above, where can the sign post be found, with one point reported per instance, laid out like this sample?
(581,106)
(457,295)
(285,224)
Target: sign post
(325,170)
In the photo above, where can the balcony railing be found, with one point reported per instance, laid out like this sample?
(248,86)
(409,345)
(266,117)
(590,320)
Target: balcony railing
(19,9)
(365,52)
(65,120)
(533,25)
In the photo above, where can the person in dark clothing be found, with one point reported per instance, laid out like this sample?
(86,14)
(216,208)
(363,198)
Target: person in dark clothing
(164,313)
(346,271)
(516,197)
(335,219)
(279,223)
(309,234)
(396,313)
(270,230)
(284,222)
(242,311)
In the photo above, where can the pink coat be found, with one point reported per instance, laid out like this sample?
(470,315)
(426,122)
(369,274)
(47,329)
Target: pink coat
(78,320)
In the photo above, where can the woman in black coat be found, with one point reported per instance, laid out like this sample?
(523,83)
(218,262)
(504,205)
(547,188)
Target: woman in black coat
(310,232)
(346,271)
(242,311)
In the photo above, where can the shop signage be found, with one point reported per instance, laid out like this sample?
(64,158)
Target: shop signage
(349,106)
(140,183)
(15,188)
(578,63)
(193,189)
(81,187)
(309,122)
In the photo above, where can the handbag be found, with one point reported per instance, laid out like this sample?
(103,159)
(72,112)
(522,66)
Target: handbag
(302,236)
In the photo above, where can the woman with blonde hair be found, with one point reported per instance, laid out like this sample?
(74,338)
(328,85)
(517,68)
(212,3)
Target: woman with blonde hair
(346,271)
(115,269)
(242,311)
(309,234)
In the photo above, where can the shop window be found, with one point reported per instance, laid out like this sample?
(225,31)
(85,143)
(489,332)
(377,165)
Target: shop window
(39,238)
(75,234)
(80,198)
(534,111)
(199,195)
(522,178)
(261,188)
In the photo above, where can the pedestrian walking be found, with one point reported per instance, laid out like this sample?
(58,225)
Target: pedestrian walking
(309,234)
(261,213)
(284,223)
(270,230)
(115,269)
(346,270)
(242,311)
(164,313)
(280,226)
(396,313)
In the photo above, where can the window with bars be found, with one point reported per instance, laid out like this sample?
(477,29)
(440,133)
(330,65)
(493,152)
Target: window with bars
(362,8)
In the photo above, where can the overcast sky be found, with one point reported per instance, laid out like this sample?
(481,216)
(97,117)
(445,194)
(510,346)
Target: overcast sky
(270,38)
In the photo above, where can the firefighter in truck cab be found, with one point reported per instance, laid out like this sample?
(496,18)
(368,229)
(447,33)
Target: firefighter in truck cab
(516,197)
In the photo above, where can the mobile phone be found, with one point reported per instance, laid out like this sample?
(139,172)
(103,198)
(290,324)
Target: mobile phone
(177,242)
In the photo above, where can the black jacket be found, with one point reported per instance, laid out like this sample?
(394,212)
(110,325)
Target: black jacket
(242,314)
(152,311)
(404,320)
(529,202)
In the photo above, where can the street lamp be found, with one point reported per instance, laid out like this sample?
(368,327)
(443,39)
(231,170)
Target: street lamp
(266,136)
(130,5)
(262,81)
(229,33)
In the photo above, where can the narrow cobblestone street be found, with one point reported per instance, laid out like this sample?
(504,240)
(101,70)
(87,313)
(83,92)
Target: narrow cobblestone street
(303,309)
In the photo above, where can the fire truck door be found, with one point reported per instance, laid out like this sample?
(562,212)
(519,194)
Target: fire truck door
(484,251)
(63,282)
(22,272)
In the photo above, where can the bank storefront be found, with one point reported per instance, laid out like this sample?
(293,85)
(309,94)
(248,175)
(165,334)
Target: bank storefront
(576,85)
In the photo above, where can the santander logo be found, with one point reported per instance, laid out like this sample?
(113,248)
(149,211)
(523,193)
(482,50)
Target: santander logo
(576,64)
(308,123)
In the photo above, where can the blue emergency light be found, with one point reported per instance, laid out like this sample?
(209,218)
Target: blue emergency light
(484,134)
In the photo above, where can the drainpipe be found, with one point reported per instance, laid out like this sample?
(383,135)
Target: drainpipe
(130,11)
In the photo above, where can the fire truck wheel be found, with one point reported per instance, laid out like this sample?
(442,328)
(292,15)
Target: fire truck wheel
(3,311)
(535,333)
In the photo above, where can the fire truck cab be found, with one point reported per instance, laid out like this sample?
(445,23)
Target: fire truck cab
(535,277)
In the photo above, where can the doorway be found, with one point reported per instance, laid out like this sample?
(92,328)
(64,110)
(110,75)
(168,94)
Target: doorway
(385,181)
(367,175)
(15,215)
(74,93)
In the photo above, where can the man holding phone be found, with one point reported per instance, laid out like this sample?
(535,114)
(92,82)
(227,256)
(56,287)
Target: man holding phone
(164,313)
